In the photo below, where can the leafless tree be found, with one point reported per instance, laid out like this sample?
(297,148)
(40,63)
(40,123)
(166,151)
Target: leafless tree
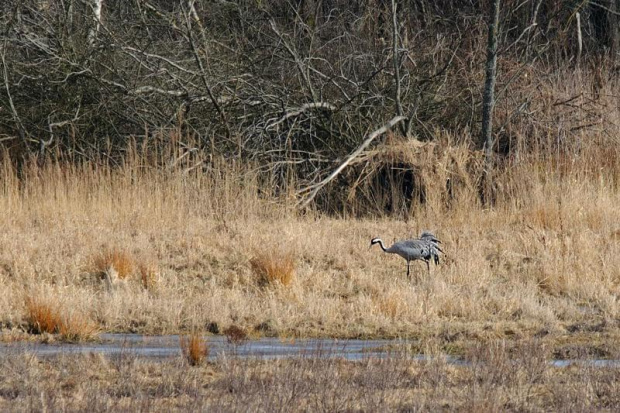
(488,100)
(293,85)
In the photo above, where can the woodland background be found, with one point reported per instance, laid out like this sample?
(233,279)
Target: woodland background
(293,86)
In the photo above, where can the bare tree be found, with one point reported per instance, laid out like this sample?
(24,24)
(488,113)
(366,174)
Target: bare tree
(488,99)
(614,28)
(396,64)
(293,86)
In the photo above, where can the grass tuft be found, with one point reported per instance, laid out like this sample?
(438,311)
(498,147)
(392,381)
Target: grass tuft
(45,317)
(77,327)
(42,317)
(274,268)
(194,348)
(121,261)
(148,275)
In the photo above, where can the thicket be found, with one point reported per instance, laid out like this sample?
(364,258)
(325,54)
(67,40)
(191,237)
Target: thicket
(293,86)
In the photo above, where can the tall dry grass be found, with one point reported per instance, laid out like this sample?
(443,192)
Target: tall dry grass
(543,260)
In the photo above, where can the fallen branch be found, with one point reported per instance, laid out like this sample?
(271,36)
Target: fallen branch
(312,190)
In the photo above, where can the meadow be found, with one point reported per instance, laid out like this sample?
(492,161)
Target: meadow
(181,242)
(155,163)
(92,247)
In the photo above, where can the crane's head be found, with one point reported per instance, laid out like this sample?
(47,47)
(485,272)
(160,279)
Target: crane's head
(374,241)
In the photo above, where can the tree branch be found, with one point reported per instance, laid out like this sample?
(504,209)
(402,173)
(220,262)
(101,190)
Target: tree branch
(312,190)
(300,65)
(16,118)
(298,111)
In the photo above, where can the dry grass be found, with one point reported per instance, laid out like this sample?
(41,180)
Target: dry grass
(274,268)
(47,316)
(544,259)
(194,348)
(42,317)
(149,275)
(496,376)
(77,327)
(119,260)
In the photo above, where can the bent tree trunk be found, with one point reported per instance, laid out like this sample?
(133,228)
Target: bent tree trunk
(488,101)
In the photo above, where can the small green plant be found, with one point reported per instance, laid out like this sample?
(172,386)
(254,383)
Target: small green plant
(194,348)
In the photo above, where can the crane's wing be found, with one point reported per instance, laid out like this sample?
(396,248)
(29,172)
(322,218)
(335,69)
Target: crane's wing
(429,236)
(427,247)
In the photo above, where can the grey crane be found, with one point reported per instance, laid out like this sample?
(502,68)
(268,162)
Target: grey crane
(425,248)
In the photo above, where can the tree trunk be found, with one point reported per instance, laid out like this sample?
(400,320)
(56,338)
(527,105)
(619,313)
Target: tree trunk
(488,100)
(614,30)
(396,63)
(97,6)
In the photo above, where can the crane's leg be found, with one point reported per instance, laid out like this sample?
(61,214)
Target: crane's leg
(428,267)
(408,276)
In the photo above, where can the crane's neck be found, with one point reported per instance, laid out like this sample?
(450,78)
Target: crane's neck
(380,242)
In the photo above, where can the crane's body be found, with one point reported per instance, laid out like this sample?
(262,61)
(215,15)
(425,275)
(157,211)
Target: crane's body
(426,248)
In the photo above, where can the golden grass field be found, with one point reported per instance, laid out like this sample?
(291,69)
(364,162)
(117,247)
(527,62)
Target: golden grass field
(87,249)
(156,245)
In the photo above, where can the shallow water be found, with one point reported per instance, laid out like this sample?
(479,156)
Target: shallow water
(163,347)
(586,362)
(168,346)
